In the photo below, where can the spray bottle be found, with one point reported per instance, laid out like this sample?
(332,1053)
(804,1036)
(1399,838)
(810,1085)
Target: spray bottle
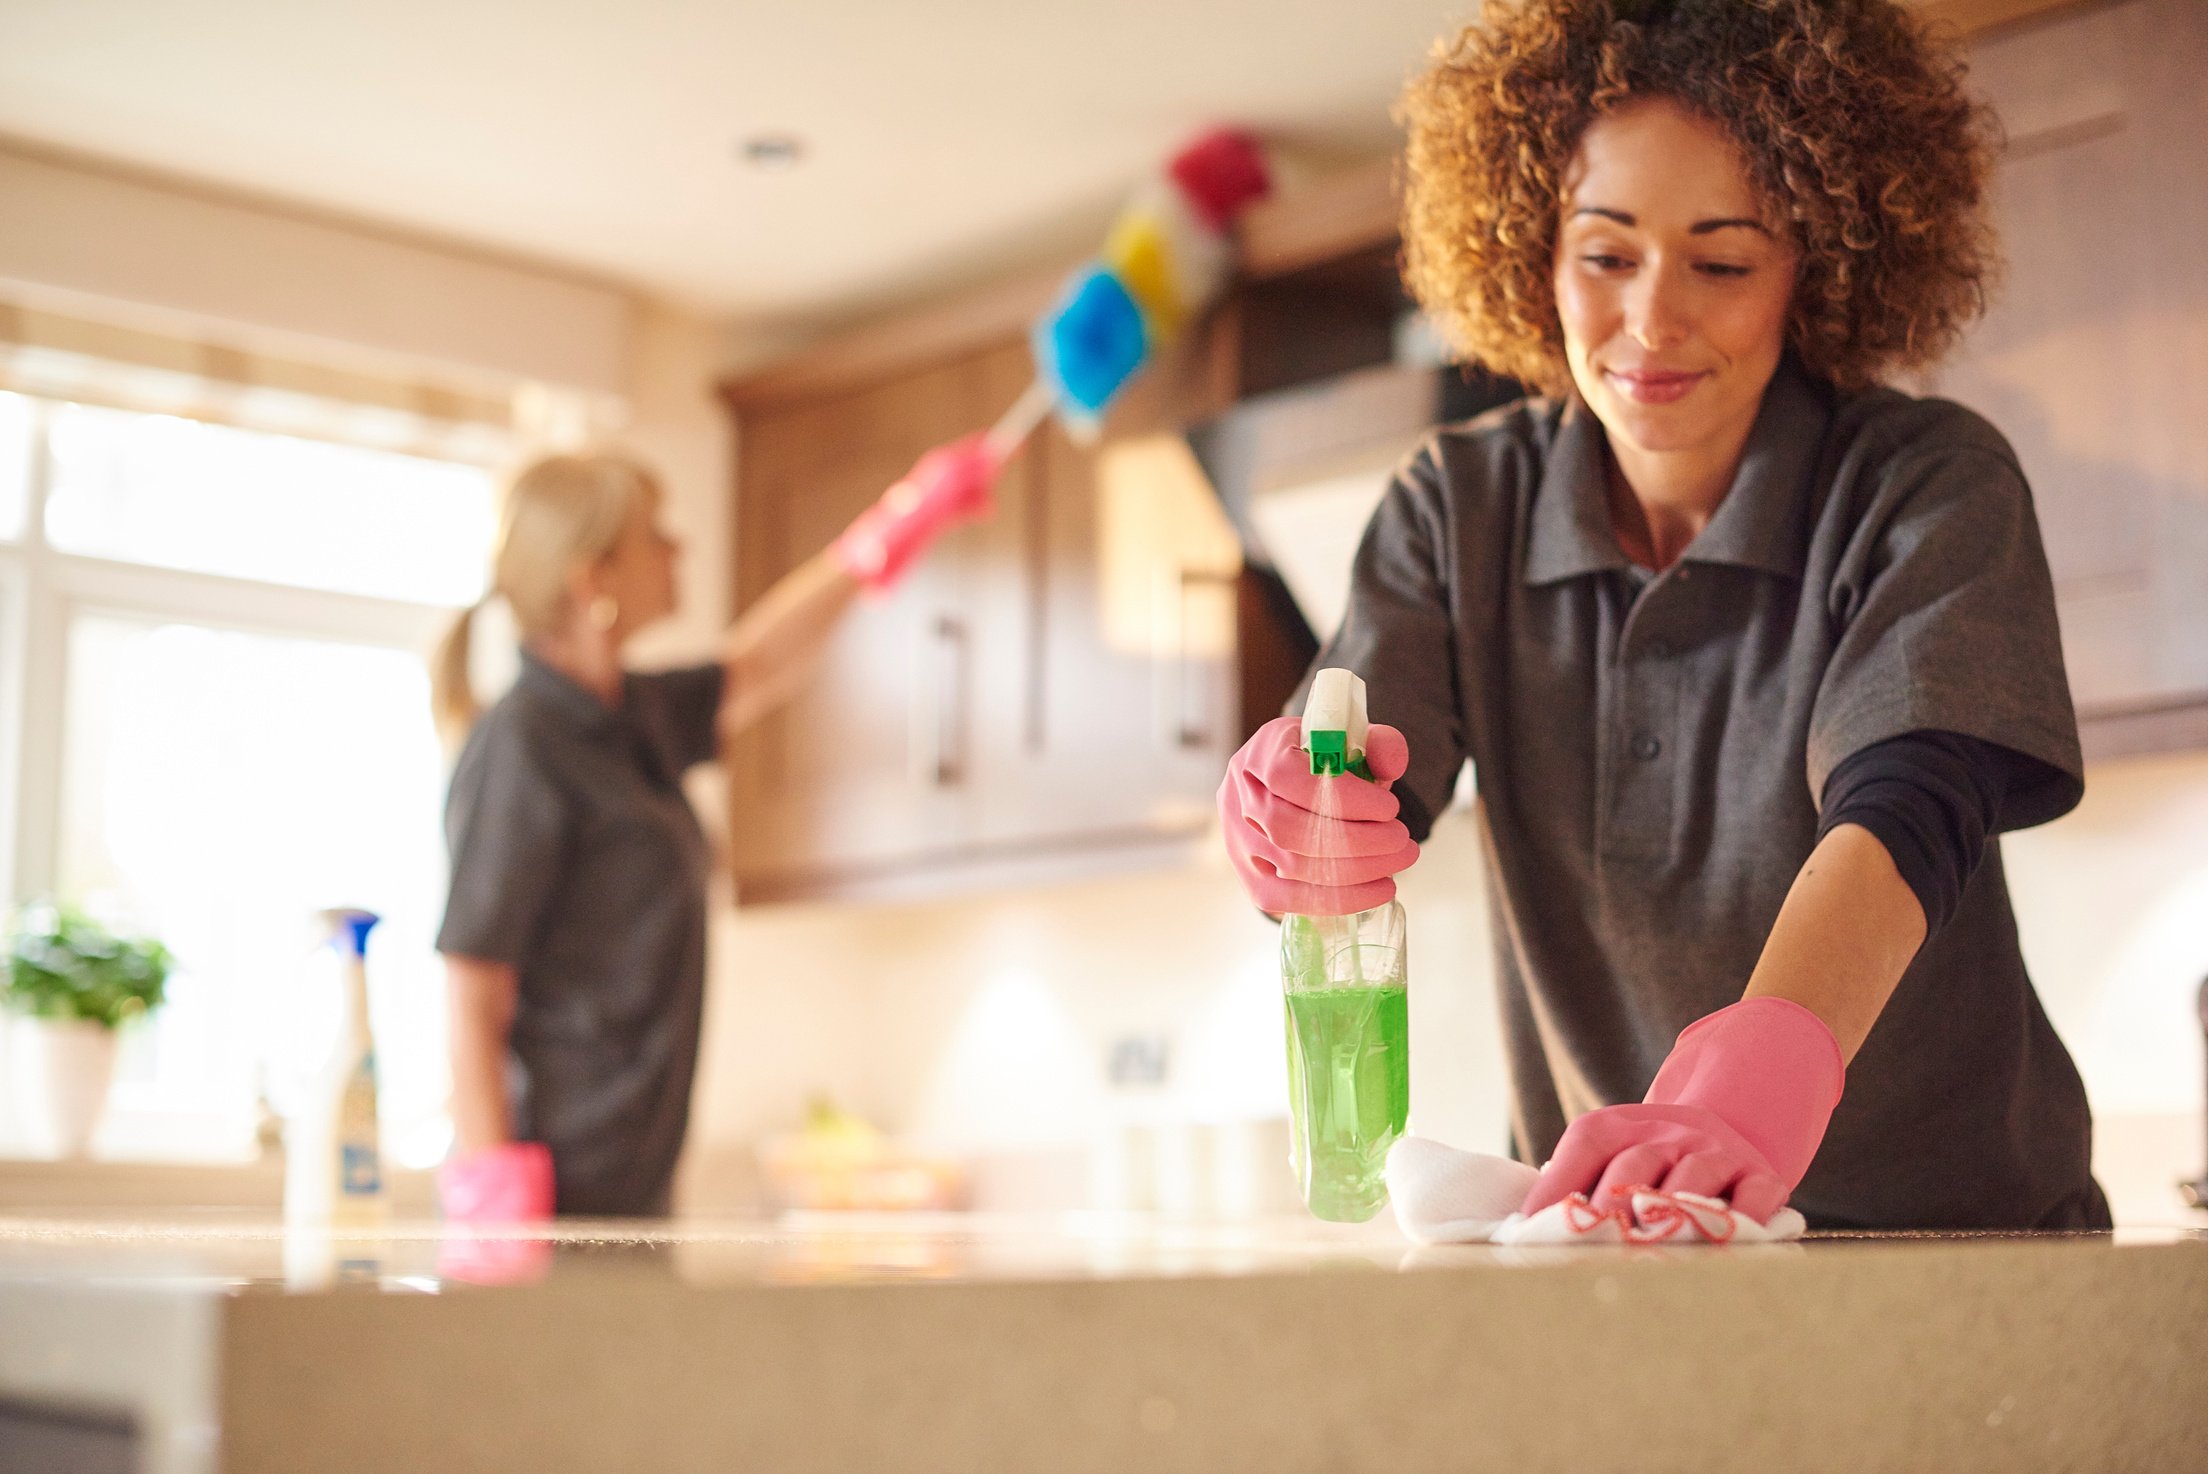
(333,1169)
(1348,1003)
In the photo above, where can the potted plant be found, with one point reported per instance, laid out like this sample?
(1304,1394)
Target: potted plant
(74,982)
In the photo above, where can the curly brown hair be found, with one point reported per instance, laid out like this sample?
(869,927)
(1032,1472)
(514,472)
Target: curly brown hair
(1850,116)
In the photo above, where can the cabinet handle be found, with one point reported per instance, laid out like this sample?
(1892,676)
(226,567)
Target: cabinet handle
(947,731)
(1190,721)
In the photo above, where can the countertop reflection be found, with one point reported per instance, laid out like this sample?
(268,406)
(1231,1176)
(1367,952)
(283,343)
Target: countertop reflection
(229,1251)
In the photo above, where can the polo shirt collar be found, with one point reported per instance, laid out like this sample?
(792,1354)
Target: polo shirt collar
(1571,532)
(1760,524)
(563,695)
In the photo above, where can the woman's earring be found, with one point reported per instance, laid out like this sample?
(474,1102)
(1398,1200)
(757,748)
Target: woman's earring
(605,611)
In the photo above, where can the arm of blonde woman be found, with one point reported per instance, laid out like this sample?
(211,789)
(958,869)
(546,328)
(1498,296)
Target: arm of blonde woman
(480,995)
(489,1175)
(772,646)
(771,649)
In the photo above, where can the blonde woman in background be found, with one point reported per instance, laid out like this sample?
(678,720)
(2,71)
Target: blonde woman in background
(574,930)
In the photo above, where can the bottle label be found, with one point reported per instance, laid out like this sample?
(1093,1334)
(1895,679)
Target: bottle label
(361,1174)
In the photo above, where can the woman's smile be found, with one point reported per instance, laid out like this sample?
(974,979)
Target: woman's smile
(1655,386)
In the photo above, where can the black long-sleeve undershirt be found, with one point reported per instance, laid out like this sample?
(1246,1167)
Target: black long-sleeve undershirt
(1933,799)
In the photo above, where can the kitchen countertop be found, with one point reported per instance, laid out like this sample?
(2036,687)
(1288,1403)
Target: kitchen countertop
(217,1341)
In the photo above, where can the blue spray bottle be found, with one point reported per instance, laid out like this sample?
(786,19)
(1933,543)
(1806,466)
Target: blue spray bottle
(333,1162)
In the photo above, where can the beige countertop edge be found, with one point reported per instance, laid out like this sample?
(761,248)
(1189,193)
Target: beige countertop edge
(1844,1354)
(1987,1356)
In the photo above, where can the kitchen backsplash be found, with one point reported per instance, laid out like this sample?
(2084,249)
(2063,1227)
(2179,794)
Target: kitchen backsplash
(1118,1042)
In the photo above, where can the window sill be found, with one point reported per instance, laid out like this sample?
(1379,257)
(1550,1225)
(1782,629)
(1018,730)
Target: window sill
(37,1187)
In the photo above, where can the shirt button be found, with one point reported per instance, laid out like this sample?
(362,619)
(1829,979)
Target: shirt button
(1646,747)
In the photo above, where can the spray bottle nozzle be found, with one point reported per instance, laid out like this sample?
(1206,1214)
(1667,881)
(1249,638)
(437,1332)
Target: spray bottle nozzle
(349,927)
(1329,752)
(1334,724)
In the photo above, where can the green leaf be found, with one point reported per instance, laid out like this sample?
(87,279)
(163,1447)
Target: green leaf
(60,963)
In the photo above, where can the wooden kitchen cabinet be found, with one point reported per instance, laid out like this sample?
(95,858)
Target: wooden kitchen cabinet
(2090,358)
(861,768)
(1046,686)
(1122,699)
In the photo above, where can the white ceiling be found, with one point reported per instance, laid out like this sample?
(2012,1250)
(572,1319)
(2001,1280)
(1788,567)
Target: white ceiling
(947,138)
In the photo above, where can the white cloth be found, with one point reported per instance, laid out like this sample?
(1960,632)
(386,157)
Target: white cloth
(1446,1196)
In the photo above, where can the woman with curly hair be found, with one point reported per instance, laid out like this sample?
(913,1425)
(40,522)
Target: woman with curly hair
(1752,655)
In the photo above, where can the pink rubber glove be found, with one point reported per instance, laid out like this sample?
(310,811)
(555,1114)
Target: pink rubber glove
(508,1183)
(948,485)
(1737,1112)
(493,1258)
(1292,859)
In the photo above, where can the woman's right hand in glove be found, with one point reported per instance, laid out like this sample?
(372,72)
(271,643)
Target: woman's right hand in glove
(1310,844)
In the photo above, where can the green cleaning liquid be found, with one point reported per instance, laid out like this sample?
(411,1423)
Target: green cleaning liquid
(1349,1091)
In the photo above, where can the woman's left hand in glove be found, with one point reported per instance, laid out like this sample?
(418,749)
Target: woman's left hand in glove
(1736,1112)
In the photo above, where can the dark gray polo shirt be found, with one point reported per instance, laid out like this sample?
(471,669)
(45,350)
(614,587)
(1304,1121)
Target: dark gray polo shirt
(1650,751)
(576,859)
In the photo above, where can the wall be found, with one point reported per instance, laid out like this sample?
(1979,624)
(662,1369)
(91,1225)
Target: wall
(157,253)
(675,425)
(88,237)
(2112,904)
(983,1025)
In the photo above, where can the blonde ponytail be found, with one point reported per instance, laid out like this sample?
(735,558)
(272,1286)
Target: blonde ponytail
(559,513)
(451,693)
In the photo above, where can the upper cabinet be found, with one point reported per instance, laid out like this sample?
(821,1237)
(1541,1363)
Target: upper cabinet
(2092,355)
(1052,688)
(868,765)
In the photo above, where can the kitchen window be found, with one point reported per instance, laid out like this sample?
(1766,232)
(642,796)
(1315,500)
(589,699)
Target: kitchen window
(177,493)
(217,722)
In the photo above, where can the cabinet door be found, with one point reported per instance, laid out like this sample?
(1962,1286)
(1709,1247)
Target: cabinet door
(1114,719)
(2092,357)
(870,766)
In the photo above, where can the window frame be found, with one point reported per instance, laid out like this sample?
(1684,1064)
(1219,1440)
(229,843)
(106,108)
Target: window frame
(53,589)
(45,591)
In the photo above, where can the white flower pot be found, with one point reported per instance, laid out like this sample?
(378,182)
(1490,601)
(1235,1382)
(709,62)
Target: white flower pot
(62,1068)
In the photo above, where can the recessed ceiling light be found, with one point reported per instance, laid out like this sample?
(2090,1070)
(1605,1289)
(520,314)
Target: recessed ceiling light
(772,150)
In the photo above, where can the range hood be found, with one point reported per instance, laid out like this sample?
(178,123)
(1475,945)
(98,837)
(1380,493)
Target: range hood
(1300,471)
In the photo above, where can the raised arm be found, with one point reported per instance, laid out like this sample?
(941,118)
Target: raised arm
(772,647)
